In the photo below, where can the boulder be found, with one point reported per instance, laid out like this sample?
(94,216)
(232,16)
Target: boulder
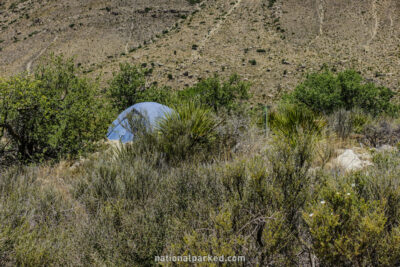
(350,161)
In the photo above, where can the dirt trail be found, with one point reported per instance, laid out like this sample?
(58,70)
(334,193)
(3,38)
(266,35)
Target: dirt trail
(320,9)
(29,64)
(390,15)
(130,38)
(196,53)
(321,15)
(375,27)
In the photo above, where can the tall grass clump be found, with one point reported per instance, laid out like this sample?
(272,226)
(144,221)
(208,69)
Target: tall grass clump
(190,131)
(293,121)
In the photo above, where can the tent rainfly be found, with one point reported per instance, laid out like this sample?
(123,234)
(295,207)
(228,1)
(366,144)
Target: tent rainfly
(150,112)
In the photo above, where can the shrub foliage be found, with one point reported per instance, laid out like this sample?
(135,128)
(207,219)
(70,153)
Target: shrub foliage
(219,94)
(326,92)
(129,86)
(126,86)
(52,113)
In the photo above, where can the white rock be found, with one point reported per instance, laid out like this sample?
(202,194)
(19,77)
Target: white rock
(350,161)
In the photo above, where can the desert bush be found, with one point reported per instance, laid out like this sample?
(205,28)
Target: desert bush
(297,132)
(382,132)
(128,87)
(345,122)
(326,92)
(218,94)
(382,182)
(198,186)
(260,215)
(341,123)
(33,216)
(130,204)
(231,133)
(348,230)
(121,198)
(271,3)
(290,165)
(53,114)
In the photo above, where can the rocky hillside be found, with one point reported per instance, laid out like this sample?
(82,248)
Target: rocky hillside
(272,43)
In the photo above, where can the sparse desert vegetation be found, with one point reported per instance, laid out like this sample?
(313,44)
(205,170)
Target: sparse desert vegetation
(281,144)
(211,179)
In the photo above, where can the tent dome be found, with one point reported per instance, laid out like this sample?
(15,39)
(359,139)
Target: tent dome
(151,112)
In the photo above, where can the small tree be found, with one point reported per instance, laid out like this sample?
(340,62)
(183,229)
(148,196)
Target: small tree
(53,113)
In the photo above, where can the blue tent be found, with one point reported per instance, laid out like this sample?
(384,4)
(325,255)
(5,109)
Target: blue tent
(150,112)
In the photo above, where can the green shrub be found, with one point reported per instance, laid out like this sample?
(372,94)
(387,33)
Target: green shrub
(271,3)
(253,62)
(290,163)
(192,2)
(126,86)
(53,114)
(326,92)
(163,95)
(218,94)
(25,204)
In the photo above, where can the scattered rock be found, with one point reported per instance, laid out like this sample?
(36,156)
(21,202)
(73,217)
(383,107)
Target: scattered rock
(385,148)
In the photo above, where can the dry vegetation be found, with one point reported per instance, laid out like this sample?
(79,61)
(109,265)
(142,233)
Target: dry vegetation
(212,178)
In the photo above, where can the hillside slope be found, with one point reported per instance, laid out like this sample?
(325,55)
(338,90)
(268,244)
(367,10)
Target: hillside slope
(92,30)
(273,44)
